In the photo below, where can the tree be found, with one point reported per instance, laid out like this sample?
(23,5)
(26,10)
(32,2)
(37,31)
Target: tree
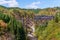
(57,17)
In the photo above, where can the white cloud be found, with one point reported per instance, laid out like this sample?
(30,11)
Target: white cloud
(2,2)
(33,5)
(11,3)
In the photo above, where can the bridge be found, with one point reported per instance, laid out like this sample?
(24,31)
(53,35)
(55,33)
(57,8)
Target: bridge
(43,17)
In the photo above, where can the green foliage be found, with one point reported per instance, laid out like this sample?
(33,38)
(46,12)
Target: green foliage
(4,17)
(51,32)
(41,28)
(13,26)
(57,17)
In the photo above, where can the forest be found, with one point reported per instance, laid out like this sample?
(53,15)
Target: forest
(16,23)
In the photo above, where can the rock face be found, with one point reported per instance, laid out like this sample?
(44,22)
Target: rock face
(32,37)
(4,34)
(3,24)
(7,36)
(30,26)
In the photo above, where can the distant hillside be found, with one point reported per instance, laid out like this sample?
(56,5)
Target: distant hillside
(19,13)
(36,11)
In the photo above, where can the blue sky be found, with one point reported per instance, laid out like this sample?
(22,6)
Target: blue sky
(30,3)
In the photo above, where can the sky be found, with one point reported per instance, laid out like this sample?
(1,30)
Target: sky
(30,3)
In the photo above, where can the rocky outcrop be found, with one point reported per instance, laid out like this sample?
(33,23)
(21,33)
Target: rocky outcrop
(7,36)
